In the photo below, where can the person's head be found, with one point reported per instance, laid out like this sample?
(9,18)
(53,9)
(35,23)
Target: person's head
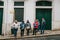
(27,21)
(15,21)
(36,20)
(22,21)
(42,18)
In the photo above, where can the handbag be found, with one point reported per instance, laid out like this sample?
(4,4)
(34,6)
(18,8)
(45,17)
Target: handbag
(28,27)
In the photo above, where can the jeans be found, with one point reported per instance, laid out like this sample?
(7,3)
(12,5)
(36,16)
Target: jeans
(42,29)
(15,32)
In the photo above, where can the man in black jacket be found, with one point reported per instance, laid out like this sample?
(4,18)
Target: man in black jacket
(22,27)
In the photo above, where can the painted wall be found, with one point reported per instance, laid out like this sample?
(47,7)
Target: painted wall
(4,18)
(56,15)
(29,14)
(29,11)
(8,15)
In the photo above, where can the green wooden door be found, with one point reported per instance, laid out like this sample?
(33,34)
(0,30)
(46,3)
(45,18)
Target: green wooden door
(1,18)
(47,14)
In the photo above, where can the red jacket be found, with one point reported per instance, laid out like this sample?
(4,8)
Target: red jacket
(36,24)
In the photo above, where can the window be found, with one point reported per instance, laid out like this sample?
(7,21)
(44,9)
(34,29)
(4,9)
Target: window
(19,11)
(43,3)
(1,3)
(19,14)
(18,3)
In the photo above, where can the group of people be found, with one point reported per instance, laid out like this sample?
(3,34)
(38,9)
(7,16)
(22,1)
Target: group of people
(27,26)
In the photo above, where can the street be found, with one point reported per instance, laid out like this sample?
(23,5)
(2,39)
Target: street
(55,37)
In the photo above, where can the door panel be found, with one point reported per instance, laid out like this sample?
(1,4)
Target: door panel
(45,13)
(1,18)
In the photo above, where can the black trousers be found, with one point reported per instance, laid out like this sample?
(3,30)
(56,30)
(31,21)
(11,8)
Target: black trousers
(12,31)
(22,32)
(28,31)
(34,31)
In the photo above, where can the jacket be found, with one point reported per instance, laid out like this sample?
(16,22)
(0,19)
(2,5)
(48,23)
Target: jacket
(22,26)
(35,24)
(28,25)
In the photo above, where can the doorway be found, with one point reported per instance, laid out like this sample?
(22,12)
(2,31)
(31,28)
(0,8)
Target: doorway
(45,13)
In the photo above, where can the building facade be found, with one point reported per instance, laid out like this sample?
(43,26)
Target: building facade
(11,10)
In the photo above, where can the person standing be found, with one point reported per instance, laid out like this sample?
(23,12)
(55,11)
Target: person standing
(28,26)
(38,26)
(15,28)
(43,25)
(35,24)
(22,27)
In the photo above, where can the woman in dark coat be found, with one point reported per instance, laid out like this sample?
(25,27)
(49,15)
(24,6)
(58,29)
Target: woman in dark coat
(28,26)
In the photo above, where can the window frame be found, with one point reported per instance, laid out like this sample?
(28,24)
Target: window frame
(43,6)
(19,7)
(2,3)
(18,2)
(43,1)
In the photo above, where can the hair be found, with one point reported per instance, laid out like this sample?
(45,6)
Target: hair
(16,21)
(22,21)
(27,21)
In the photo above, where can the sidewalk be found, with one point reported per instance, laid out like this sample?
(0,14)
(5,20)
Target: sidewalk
(47,33)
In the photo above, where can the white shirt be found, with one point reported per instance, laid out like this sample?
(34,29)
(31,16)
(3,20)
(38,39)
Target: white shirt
(15,25)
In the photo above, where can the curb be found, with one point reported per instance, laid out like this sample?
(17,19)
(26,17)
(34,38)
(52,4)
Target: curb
(33,36)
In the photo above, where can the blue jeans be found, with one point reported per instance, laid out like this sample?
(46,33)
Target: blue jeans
(42,29)
(15,32)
